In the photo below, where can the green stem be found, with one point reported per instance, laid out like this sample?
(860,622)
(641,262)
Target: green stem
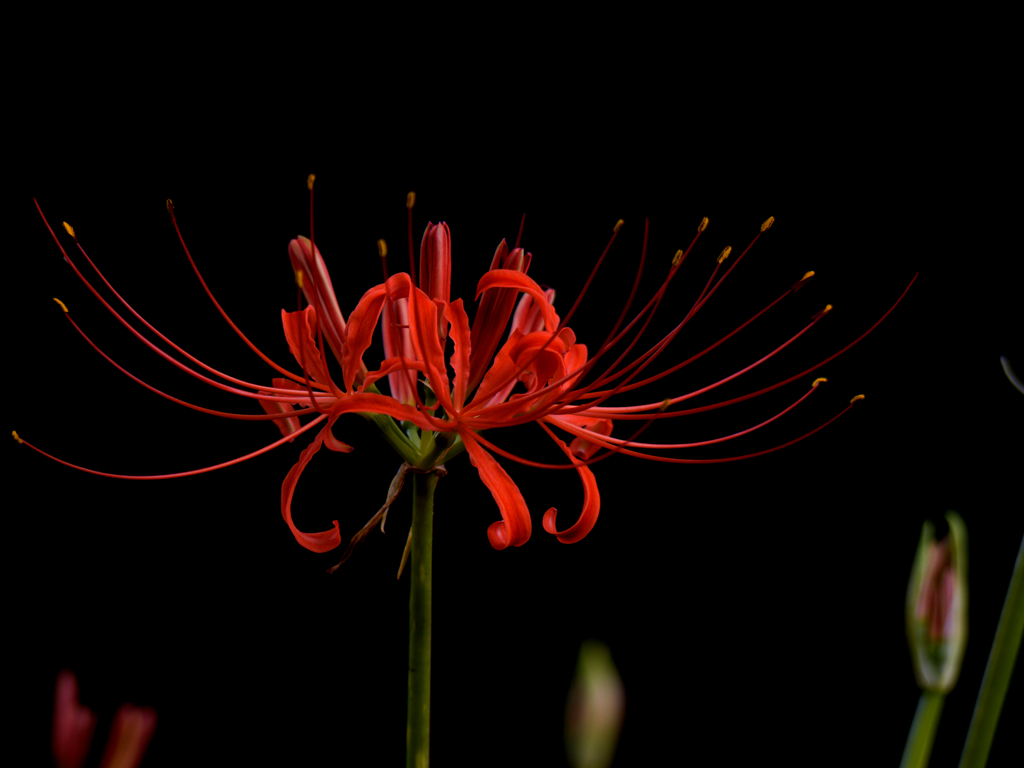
(417,735)
(998,672)
(922,732)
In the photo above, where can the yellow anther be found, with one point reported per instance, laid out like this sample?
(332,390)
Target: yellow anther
(618,225)
(703,224)
(724,254)
(70,229)
(170,205)
(15,434)
(677,258)
(807,276)
(818,381)
(664,405)
(827,309)
(382,248)
(309,181)
(61,305)
(298,278)
(856,398)
(767,223)
(410,200)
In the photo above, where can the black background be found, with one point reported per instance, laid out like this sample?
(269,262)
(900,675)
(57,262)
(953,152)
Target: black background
(754,608)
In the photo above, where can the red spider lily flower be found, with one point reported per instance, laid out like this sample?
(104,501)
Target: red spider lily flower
(73,726)
(428,417)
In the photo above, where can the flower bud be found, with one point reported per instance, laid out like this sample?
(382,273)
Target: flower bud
(492,315)
(436,268)
(937,606)
(597,704)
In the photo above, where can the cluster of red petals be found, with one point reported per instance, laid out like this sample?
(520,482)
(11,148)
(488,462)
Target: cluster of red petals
(540,353)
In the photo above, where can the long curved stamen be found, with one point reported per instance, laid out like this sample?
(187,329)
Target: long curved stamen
(522,222)
(626,369)
(200,471)
(163,354)
(410,201)
(607,441)
(593,273)
(141,319)
(239,416)
(223,313)
(663,459)
(621,411)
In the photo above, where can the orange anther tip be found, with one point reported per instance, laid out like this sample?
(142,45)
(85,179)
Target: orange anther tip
(807,276)
(818,381)
(382,248)
(856,398)
(677,258)
(828,308)
(410,200)
(170,205)
(309,181)
(664,405)
(18,439)
(618,225)
(767,223)
(61,305)
(724,254)
(70,229)
(703,224)
(298,278)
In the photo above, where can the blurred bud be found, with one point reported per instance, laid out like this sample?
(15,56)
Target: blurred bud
(73,724)
(597,703)
(937,606)
(129,736)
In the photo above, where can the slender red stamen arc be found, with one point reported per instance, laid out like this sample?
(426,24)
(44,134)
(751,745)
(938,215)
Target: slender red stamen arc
(148,343)
(652,406)
(686,362)
(230,322)
(519,236)
(663,459)
(239,416)
(320,321)
(202,470)
(608,442)
(593,273)
(412,257)
(142,319)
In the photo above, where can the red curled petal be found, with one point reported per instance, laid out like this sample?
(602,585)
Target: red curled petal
(509,278)
(289,425)
(456,315)
(591,501)
(515,526)
(323,541)
(363,320)
(300,331)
